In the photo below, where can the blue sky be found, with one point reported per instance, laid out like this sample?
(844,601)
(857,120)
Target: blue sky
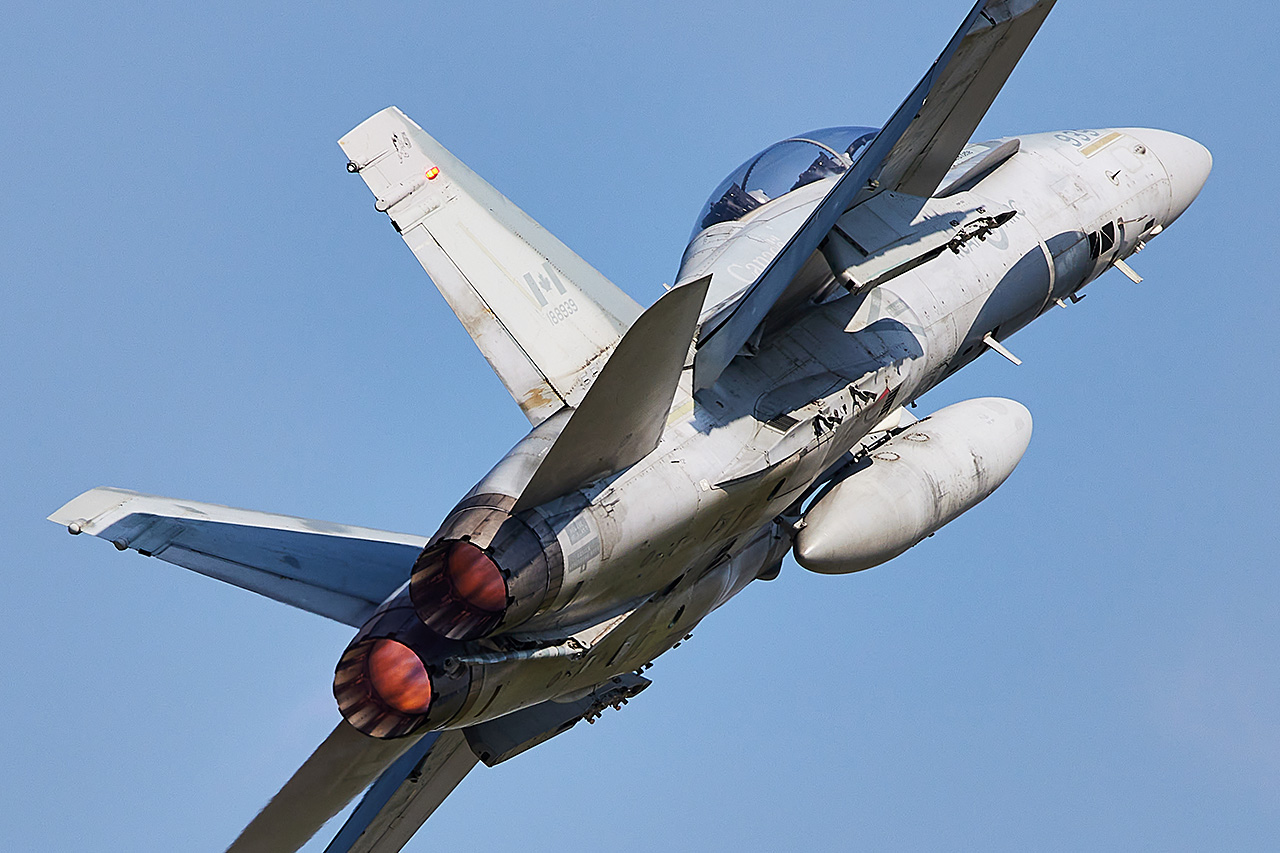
(202,303)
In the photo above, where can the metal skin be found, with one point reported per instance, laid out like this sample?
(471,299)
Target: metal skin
(919,480)
(820,296)
(676,535)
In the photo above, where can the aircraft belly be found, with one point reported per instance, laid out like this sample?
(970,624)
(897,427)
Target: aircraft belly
(1017,278)
(695,498)
(656,626)
(1070,252)
(650,630)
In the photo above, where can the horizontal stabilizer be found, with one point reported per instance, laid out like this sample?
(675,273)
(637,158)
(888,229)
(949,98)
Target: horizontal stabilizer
(405,795)
(621,419)
(911,154)
(542,316)
(340,768)
(334,570)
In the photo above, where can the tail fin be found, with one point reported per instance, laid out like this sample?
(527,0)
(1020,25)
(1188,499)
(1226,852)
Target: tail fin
(621,419)
(543,317)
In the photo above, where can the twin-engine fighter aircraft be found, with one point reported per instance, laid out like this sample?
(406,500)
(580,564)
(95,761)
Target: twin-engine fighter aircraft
(678,453)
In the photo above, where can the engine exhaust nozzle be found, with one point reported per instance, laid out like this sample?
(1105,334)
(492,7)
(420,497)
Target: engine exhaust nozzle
(485,571)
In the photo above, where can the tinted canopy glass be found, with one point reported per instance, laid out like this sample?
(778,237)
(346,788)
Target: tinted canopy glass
(782,167)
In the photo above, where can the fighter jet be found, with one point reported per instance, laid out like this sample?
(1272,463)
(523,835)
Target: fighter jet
(677,454)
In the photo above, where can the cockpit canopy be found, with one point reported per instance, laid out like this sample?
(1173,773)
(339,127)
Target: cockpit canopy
(782,167)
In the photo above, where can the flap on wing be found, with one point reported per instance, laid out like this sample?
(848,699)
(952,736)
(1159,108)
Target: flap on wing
(334,570)
(542,316)
(911,154)
(621,419)
(405,795)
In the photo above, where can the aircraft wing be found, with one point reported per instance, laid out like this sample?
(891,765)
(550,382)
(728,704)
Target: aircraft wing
(334,570)
(407,778)
(911,155)
(944,110)
(406,794)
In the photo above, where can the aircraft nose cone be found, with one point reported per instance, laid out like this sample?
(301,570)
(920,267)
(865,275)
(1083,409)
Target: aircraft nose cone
(1187,163)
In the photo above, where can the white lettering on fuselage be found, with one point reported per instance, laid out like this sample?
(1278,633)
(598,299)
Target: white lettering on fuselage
(751,270)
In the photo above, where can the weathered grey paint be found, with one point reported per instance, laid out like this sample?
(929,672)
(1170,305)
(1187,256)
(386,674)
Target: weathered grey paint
(644,554)
(668,540)
(911,154)
(543,317)
(922,478)
(689,526)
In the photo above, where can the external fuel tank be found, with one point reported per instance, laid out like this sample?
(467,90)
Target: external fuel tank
(912,485)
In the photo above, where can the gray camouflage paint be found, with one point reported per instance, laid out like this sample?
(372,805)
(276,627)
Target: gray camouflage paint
(675,536)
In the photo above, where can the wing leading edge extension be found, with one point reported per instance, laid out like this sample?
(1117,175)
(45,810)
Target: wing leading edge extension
(911,155)
(543,317)
(333,570)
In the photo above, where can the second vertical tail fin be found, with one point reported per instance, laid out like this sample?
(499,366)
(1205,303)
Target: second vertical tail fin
(543,317)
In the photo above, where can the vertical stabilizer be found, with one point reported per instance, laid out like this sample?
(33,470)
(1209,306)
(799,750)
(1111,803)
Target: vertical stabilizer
(543,317)
(622,417)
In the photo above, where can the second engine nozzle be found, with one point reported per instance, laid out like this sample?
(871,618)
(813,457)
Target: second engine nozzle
(391,680)
(485,570)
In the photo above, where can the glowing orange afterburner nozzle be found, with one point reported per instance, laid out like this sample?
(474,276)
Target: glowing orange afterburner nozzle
(398,677)
(484,571)
(476,579)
